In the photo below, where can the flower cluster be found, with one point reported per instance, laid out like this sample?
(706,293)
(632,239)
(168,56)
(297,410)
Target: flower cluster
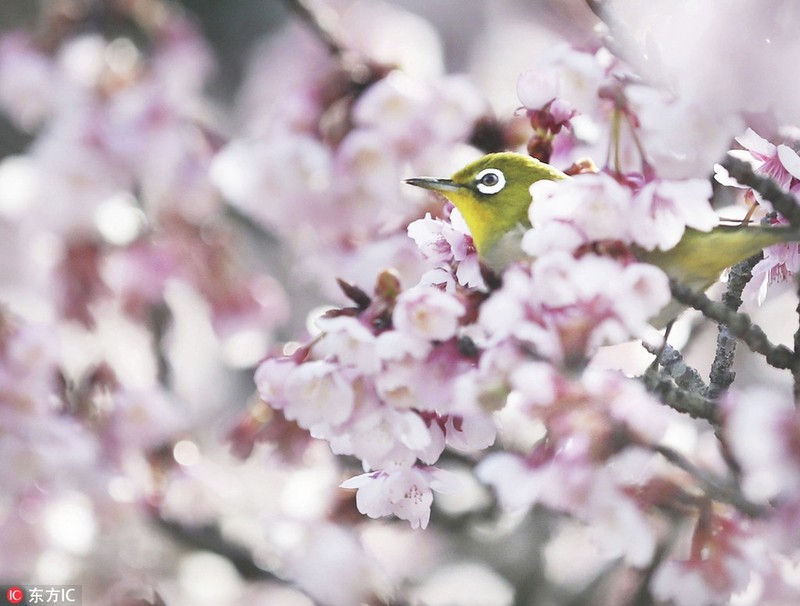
(407,373)
(127,220)
(378,384)
(501,366)
(115,247)
(324,171)
(596,207)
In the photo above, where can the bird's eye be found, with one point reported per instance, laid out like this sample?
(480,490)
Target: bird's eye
(490,181)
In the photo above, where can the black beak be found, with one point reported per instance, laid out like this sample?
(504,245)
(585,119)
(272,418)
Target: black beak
(440,185)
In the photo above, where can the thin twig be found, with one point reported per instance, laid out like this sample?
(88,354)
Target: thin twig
(679,399)
(715,487)
(321,29)
(722,373)
(671,360)
(741,326)
(160,322)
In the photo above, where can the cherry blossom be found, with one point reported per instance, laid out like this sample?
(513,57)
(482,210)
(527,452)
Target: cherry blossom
(427,314)
(661,211)
(405,492)
(593,207)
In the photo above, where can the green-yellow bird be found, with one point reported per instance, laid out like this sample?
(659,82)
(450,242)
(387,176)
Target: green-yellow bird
(493,195)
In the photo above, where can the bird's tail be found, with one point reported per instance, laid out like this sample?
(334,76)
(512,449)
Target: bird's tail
(700,257)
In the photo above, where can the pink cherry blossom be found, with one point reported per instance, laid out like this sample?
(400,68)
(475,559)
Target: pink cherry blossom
(428,314)
(661,210)
(444,244)
(29,78)
(404,492)
(349,342)
(564,309)
(318,393)
(592,207)
(780,162)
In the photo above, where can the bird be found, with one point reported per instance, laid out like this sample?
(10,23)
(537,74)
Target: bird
(493,195)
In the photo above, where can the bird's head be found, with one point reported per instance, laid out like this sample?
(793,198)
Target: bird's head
(492,193)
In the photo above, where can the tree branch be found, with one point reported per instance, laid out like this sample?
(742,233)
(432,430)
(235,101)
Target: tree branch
(740,325)
(714,487)
(160,320)
(679,399)
(671,360)
(722,374)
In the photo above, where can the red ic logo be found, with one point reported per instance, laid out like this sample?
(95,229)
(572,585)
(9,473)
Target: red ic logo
(15,595)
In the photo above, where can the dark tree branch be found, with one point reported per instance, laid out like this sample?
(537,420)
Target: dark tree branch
(722,374)
(671,360)
(160,322)
(643,596)
(740,325)
(679,399)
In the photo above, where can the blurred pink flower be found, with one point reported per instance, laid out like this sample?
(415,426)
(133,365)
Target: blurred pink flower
(405,492)
(318,393)
(427,313)
(590,207)
(723,557)
(770,464)
(29,81)
(661,210)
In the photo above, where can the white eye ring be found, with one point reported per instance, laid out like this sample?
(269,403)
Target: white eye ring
(490,181)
